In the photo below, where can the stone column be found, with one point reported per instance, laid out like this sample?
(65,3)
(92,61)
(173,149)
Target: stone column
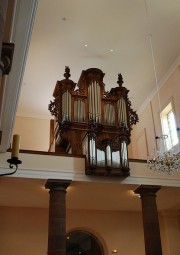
(150,219)
(57,216)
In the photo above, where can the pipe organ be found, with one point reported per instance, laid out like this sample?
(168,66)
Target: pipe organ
(93,122)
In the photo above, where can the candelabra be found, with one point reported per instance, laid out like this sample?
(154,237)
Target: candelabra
(164,162)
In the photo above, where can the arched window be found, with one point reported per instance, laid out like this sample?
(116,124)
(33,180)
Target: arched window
(80,242)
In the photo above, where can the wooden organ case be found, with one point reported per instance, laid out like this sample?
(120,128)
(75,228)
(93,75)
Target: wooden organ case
(93,122)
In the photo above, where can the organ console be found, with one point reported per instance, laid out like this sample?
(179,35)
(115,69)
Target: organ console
(93,122)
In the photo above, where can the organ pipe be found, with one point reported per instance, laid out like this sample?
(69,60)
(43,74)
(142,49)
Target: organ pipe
(66,106)
(98,103)
(108,155)
(79,111)
(122,115)
(109,114)
(124,153)
(94,97)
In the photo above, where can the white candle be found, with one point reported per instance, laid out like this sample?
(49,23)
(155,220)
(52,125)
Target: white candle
(15,146)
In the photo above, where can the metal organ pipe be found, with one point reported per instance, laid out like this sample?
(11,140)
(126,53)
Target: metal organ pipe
(108,155)
(82,111)
(81,116)
(92,151)
(100,157)
(69,109)
(98,103)
(109,119)
(66,106)
(94,98)
(122,118)
(93,110)
(63,107)
(124,153)
(79,111)
(75,110)
(113,115)
(109,114)
(115,158)
(69,98)
(105,113)
(89,101)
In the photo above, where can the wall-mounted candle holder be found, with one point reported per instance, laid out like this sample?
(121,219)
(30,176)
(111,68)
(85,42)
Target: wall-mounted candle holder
(14,160)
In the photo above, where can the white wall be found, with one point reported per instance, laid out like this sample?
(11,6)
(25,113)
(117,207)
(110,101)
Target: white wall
(25,230)
(143,134)
(34,133)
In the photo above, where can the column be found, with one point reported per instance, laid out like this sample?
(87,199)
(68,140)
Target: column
(57,216)
(150,219)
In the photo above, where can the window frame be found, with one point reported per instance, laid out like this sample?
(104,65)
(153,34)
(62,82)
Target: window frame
(168,129)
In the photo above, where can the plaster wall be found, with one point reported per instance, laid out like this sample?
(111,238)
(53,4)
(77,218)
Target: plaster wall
(149,126)
(171,231)
(25,230)
(34,133)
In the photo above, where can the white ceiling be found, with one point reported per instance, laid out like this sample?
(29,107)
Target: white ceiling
(21,192)
(63,27)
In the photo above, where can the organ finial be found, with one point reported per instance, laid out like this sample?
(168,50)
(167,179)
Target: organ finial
(120,80)
(67,72)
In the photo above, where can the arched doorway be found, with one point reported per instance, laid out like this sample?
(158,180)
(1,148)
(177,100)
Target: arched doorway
(80,242)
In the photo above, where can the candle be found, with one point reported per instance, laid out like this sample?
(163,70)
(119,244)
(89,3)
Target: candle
(15,146)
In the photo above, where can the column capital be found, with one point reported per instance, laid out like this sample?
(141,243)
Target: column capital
(55,184)
(147,190)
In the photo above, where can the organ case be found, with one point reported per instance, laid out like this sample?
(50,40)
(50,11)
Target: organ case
(93,122)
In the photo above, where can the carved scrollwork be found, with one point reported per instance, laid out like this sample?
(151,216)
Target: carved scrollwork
(79,92)
(95,127)
(65,125)
(133,117)
(52,108)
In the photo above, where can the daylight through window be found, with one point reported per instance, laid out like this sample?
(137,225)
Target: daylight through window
(169,127)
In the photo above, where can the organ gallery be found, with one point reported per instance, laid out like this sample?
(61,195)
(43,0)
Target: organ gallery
(90,121)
